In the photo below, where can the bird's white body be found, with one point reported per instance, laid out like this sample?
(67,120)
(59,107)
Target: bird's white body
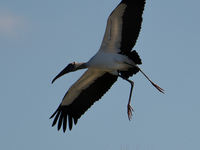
(110,62)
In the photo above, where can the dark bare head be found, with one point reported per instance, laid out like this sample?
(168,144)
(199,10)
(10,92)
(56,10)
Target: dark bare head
(70,67)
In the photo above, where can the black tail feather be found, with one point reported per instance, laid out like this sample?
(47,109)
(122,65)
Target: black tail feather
(135,58)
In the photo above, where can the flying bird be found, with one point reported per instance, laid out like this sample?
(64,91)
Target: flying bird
(114,59)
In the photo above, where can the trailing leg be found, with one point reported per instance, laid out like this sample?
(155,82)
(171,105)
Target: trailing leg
(155,85)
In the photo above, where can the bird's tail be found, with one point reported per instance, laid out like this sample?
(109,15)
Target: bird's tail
(135,58)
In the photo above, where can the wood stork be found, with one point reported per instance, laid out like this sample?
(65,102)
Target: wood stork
(114,59)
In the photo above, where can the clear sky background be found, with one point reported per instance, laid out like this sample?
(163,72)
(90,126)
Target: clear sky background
(39,38)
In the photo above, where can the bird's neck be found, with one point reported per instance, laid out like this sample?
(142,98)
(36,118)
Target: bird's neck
(80,66)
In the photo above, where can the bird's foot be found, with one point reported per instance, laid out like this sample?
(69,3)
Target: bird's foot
(158,88)
(130,111)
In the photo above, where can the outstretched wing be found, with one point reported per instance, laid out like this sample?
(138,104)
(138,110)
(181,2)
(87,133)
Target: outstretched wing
(90,87)
(123,27)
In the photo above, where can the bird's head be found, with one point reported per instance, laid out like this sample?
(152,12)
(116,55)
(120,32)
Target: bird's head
(70,67)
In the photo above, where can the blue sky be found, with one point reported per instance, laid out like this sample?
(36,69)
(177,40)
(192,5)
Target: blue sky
(39,38)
